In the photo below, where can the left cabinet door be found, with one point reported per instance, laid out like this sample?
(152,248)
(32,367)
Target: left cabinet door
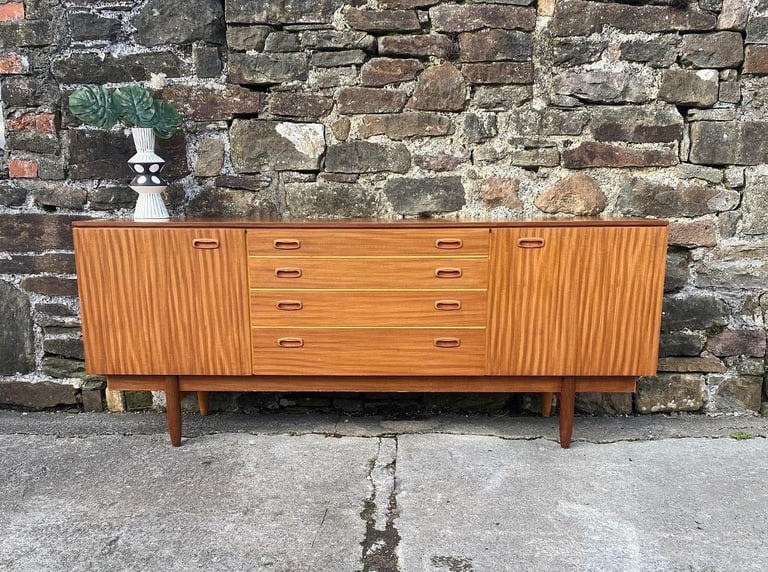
(163,301)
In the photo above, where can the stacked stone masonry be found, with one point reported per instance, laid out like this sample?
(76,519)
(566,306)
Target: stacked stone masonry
(382,108)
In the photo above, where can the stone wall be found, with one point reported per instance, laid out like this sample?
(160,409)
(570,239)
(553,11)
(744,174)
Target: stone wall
(501,108)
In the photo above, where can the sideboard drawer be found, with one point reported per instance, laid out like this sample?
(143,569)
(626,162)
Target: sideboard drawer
(376,242)
(316,308)
(369,351)
(364,273)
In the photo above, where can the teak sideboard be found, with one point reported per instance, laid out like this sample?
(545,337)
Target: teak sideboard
(558,305)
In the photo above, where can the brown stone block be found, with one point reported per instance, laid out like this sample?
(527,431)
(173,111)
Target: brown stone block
(499,192)
(267,68)
(590,154)
(756,59)
(206,104)
(670,392)
(292,104)
(439,88)
(30,232)
(40,395)
(577,194)
(441,162)
(50,285)
(738,342)
(56,263)
(26,34)
(642,124)
(383,71)
(280,11)
(437,45)
(691,365)
(737,393)
(383,20)
(692,234)
(729,143)
(581,18)
(715,50)
(404,125)
(367,157)
(448,17)
(690,88)
(337,58)
(495,45)
(353,100)
(91,68)
(498,73)
(642,197)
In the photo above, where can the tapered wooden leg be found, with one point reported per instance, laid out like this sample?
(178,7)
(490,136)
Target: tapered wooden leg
(173,408)
(567,405)
(203,399)
(546,403)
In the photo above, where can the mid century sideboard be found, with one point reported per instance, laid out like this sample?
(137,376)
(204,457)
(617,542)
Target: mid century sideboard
(557,305)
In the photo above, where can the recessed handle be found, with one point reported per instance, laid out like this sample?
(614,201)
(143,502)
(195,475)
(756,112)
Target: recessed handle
(449,243)
(289,305)
(447,342)
(447,305)
(448,272)
(290,342)
(288,272)
(286,244)
(205,243)
(533,242)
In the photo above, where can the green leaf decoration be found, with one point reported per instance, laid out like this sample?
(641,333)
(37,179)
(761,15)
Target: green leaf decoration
(134,106)
(93,105)
(166,119)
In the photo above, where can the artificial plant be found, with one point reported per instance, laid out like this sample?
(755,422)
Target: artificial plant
(132,105)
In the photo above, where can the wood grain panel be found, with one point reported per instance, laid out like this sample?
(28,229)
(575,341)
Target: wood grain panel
(318,308)
(362,273)
(152,303)
(453,383)
(588,303)
(378,223)
(368,351)
(369,242)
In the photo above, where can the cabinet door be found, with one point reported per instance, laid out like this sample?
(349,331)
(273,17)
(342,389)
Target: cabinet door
(163,301)
(581,301)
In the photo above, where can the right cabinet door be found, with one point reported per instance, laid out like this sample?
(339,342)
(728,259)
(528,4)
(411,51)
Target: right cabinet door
(575,301)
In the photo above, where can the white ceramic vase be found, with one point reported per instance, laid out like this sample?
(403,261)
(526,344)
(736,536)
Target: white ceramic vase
(148,183)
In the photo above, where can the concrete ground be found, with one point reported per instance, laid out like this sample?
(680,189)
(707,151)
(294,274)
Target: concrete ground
(301,493)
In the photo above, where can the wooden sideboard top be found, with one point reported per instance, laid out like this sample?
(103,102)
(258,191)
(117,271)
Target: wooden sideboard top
(370,223)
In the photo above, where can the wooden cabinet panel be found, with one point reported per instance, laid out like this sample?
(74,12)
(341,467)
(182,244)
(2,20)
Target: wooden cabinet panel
(575,301)
(318,308)
(163,301)
(365,273)
(368,351)
(371,242)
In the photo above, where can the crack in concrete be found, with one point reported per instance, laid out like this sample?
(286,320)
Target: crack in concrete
(382,539)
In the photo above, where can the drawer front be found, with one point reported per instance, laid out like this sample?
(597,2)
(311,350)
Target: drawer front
(317,308)
(368,351)
(362,273)
(368,242)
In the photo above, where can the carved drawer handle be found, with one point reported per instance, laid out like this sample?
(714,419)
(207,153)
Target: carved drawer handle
(286,244)
(531,242)
(290,342)
(288,272)
(447,342)
(205,243)
(447,305)
(449,243)
(289,305)
(448,272)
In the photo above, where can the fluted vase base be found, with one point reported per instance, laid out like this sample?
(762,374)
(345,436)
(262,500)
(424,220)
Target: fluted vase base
(150,208)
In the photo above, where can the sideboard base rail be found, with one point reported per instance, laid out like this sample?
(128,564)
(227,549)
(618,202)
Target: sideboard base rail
(175,387)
